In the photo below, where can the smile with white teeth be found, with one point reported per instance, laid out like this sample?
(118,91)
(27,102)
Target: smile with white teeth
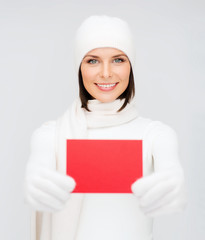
(106,85)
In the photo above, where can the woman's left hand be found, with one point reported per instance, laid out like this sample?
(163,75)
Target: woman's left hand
(161,193)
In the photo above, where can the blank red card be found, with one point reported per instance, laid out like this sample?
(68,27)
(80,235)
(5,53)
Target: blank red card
(104,166)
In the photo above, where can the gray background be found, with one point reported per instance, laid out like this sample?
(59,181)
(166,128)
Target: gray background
(38,82)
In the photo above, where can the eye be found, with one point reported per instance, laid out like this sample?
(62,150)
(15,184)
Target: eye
(91,60)
(121,60)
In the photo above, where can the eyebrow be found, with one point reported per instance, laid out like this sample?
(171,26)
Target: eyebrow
(98,57)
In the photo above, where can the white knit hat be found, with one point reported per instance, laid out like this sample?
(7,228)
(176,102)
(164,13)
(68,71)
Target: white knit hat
(103,31)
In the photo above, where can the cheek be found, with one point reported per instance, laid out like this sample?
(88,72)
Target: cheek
(123,70)
(88,75)
(124,74)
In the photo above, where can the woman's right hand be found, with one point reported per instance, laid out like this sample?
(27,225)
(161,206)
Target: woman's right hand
(46,189)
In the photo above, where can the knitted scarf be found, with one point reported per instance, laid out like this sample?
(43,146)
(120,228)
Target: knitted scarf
(73,124)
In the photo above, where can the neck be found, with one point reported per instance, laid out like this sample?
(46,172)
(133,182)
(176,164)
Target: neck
(106,113)
(97,106)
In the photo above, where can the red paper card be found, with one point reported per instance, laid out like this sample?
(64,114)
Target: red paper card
(104,166)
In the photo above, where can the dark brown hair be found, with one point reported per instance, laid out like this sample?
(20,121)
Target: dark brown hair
(128,94)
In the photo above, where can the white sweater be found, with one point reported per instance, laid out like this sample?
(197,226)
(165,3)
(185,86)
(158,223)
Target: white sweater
(116,216)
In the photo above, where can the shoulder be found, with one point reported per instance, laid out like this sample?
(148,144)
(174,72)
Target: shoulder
(45,128)
(162,135)
(151,125)
(43,134)
(160,127)
(140,122)
(42,145)
(156,129)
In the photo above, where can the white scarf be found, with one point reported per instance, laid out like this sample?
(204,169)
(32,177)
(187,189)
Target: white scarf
(73,124)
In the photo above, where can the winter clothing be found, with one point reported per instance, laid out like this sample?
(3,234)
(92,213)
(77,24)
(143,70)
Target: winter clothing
(111,216)
(46,189)
(103,31)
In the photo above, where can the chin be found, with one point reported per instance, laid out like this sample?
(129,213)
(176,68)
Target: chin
(106,100)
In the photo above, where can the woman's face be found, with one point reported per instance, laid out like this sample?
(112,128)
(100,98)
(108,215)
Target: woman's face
(105,73)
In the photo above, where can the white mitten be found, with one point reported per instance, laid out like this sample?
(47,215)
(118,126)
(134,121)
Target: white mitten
(46,189)
(161,193)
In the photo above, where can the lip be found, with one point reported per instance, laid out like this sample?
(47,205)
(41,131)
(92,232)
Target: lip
(106,89)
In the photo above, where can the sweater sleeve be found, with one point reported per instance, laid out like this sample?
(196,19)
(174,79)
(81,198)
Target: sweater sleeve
(42,146)
(165,148)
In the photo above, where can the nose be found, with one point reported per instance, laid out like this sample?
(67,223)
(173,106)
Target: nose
(106,70)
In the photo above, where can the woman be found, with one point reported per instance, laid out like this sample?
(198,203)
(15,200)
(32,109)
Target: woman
(105,109)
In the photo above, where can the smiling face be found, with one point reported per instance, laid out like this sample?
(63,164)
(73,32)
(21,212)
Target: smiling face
(105,73)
